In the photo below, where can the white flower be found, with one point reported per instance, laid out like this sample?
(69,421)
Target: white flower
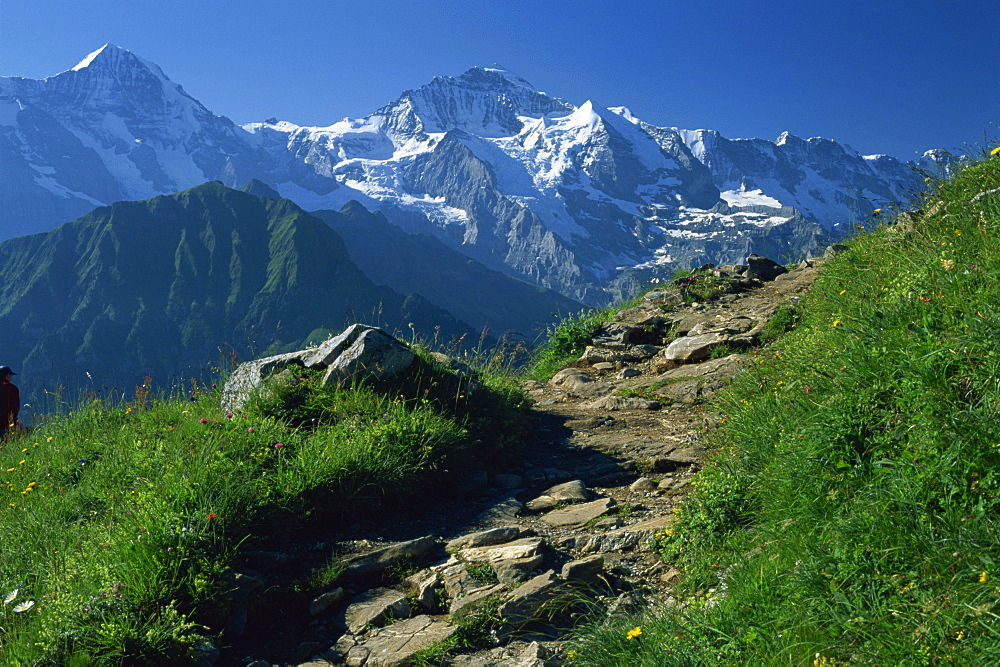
(24,606)
(10,596)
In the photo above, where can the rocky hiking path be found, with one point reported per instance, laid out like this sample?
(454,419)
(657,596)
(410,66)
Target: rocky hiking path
(564,529)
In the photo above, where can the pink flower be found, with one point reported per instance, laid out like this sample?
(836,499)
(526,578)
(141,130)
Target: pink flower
(229,415)
(279,445)
(203,420)
(250,430)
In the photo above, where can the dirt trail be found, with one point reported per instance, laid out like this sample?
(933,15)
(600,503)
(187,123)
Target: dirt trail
(626,422)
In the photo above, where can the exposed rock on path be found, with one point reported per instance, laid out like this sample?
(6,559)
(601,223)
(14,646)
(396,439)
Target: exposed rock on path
(616,445)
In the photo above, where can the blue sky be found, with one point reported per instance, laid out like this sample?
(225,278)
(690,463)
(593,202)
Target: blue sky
(885,76)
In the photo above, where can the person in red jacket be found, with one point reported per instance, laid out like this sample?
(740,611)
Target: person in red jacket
(10,401)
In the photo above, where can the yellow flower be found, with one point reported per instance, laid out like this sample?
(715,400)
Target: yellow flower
(836,323)
(983,576)
(960,635)
(48,439)
(995,151)
(633,633)
(21,462)
(948,264)
(843,292)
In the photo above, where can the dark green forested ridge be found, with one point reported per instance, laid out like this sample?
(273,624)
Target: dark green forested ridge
(156,287)
(850,512)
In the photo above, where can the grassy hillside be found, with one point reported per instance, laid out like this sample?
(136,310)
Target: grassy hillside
(121,521)
(850,512)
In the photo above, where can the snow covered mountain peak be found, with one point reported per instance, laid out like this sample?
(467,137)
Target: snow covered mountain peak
(485,101)
(114,59)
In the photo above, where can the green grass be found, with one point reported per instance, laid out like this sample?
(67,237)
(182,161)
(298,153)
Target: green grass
(849,512)
(122,521)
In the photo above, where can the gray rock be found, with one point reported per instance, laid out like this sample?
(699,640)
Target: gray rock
(373,353)
(576,382)
(569,492)
(516,570)
(373,607)
(577,515)
(689,349)
(523,548)
(422,588)
(323,602)
(604,366)
(377,561)
(396,644)
(458,582)
(469,602)
(630,373)
(765,268)
(484,538)
(586,569)
(360,352)
(629,538)
(642,484)
(502,510)
(623,403)
(525,603)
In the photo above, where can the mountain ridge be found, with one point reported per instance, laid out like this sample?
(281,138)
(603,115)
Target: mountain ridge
(581,199)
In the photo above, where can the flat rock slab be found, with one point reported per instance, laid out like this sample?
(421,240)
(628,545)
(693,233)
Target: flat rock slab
(629,538)
(485,538)
(524,548)
(373,607)
(623,403)
(577,515)
(376,561)
(396,644)
(570,492)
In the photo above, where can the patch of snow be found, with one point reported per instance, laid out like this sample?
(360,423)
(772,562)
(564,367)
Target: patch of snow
(744,197)
(62,191)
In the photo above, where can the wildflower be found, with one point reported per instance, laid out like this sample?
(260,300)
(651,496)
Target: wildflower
(229,415)
(995,151)
(10,596)
(279,445)
(21,462)
(836,323)
(983,576)
(250,430)
(843,292)
(959,636)
(24,606)
(212,515)
(876,211)
(203,420)
(633,633)
(948,264)
(48,439)
(807,389)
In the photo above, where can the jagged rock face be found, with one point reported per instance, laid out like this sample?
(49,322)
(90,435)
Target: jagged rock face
(583,199)
(826,181)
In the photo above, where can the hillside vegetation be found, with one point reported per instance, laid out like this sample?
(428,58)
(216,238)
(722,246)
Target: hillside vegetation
(849,514)
(122,521)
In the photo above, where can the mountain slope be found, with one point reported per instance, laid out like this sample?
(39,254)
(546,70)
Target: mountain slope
(582,199)
(158,287)
(474,294)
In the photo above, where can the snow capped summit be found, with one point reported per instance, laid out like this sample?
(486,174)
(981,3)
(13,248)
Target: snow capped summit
(582,199)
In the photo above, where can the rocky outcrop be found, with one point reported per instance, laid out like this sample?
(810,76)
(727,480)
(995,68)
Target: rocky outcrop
(360,353)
